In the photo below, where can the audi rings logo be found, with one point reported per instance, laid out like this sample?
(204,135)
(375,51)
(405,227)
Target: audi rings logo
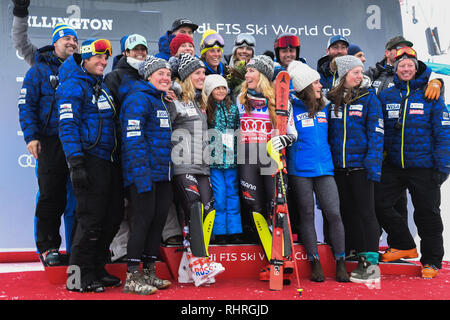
(26,160)
(252,125)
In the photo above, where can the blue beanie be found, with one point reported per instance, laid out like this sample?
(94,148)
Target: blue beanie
(61,30)
(353,49)
(122,42)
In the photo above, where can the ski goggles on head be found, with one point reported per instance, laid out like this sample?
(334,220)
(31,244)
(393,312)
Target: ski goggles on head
(244,39)
(100,46)
(212,40)
(287,41)
(410,52)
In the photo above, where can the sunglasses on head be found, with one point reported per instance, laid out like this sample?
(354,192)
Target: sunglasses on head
(287,41)
(410,52)
(213,40)
(100,46)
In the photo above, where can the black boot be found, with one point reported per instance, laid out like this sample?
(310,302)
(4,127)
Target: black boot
(108,280)
(316,271)
(341,271)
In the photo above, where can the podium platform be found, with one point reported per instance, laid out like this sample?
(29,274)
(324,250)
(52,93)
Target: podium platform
(241,261)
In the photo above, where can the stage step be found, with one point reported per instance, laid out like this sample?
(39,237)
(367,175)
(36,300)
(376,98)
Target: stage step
(246,261)
(240,261)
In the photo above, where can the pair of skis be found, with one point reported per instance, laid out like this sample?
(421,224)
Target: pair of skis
(282,242)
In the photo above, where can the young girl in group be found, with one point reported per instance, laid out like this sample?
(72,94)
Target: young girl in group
(310,169)
(223,121)
(356,133)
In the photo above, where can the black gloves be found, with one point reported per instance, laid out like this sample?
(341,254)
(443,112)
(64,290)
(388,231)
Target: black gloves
(439,177)
(282,141)
(78,173)
(21,8)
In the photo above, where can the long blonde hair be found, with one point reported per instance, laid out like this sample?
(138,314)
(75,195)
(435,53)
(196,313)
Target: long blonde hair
(267,88)
(189,93)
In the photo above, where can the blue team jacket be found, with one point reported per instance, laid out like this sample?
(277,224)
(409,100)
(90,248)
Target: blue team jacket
(356,134)
(423,138)
(86,113)
(146,134)
(38,115)
(309,155)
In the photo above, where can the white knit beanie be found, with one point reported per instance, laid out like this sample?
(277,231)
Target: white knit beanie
(301,75)
(213,81)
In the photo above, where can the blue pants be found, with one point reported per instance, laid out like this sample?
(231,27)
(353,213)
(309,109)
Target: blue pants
(69,212)
(226,201)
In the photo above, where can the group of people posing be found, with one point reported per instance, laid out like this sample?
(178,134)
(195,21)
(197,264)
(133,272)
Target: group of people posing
(196,128)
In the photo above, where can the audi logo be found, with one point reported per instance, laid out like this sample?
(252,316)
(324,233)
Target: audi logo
(252,125)
(26,160)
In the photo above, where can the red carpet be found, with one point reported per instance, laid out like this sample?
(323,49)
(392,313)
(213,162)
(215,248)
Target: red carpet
(34,285)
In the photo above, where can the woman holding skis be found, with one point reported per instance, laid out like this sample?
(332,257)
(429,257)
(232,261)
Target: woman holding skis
(256,104)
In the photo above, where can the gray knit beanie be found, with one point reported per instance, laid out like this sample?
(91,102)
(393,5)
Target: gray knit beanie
(188,64)
(150,65)
(263,64)
(345,64)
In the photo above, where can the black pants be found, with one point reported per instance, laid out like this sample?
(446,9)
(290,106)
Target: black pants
(52,180)
(98,215)
(257,190)
(191,188)
(356,196)
(426,198)
(147,213)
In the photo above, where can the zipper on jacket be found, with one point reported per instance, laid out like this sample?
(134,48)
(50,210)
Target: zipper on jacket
(403,124)
(345,135)
(345,127)
(316,124)
(114,122)
(170,126)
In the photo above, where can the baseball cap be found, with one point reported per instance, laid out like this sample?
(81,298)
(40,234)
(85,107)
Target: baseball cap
(332,40)
(395,41)
(134,40)
(183,22)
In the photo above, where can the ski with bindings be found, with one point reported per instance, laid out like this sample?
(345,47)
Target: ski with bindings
(282,242)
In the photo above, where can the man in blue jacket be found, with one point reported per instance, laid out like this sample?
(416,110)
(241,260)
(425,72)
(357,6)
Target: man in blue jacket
(417,147)
(87,130)
(337,46)
(39,122)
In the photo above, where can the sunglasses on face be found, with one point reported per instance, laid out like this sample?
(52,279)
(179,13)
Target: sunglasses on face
(100,46)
